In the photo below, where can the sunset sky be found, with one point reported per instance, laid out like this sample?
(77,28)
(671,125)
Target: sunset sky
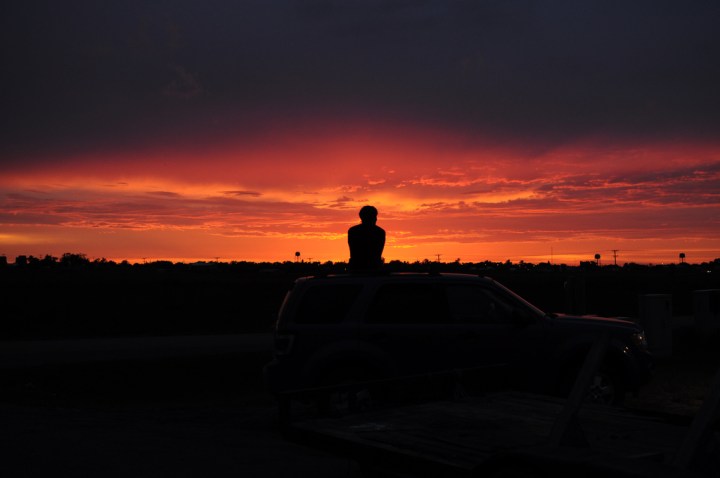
(248,130)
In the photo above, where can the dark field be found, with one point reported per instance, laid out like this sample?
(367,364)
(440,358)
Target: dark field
(102,300)
(210,415)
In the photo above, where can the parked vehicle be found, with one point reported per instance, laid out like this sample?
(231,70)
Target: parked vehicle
(344,328)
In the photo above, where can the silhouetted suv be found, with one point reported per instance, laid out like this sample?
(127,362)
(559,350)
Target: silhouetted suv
(361,327)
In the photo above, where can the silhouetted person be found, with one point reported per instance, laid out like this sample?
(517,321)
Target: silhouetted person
(366,241)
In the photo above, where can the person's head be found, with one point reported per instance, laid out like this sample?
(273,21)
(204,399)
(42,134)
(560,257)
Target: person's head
(368,215)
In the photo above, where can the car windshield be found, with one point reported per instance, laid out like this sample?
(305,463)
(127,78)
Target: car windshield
(520,299)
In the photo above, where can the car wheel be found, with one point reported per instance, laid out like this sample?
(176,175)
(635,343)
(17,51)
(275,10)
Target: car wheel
(353,399)
(605,389)
(348,393)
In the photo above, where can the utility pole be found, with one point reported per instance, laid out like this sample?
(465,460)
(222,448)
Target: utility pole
(438,256)
(615,251)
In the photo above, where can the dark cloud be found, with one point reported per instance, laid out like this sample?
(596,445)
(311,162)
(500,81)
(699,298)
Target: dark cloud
(166,194)
(77,208)
(184,84)
(242,193)
(86,75)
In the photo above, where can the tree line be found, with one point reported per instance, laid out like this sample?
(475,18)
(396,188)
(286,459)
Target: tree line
(79,260)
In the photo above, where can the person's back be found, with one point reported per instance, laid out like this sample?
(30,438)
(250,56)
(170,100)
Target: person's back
(366,241)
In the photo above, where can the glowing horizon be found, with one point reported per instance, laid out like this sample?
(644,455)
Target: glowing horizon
(261,199)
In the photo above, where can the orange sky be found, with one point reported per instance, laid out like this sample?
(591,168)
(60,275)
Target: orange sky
(195,130)
(263,197)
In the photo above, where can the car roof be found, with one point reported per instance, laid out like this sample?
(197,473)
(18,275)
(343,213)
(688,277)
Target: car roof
(395,277)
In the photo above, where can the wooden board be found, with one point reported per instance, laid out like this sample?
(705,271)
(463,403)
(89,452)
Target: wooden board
(459,436)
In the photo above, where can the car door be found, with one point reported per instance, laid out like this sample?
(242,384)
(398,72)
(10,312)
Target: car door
(407,320)
(493,332)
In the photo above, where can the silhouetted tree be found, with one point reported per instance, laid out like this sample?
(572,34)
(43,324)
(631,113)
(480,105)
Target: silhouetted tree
(72,260)
(49,260)
(103,262)
(682,257)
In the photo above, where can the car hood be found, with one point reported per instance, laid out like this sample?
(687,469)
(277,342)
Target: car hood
(594,321)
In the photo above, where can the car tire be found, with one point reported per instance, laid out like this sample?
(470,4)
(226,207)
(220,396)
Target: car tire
(349,392)
(606,387)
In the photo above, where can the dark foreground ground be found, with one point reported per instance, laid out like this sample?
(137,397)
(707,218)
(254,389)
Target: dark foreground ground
(209,417)
(205,417)
(141,415)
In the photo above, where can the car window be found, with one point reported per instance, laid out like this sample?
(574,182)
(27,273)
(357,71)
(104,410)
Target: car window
(477,304)
(409,303)
(327,304)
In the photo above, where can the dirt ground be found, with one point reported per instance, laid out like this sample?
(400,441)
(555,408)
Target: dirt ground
(209,418)
(155,441)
